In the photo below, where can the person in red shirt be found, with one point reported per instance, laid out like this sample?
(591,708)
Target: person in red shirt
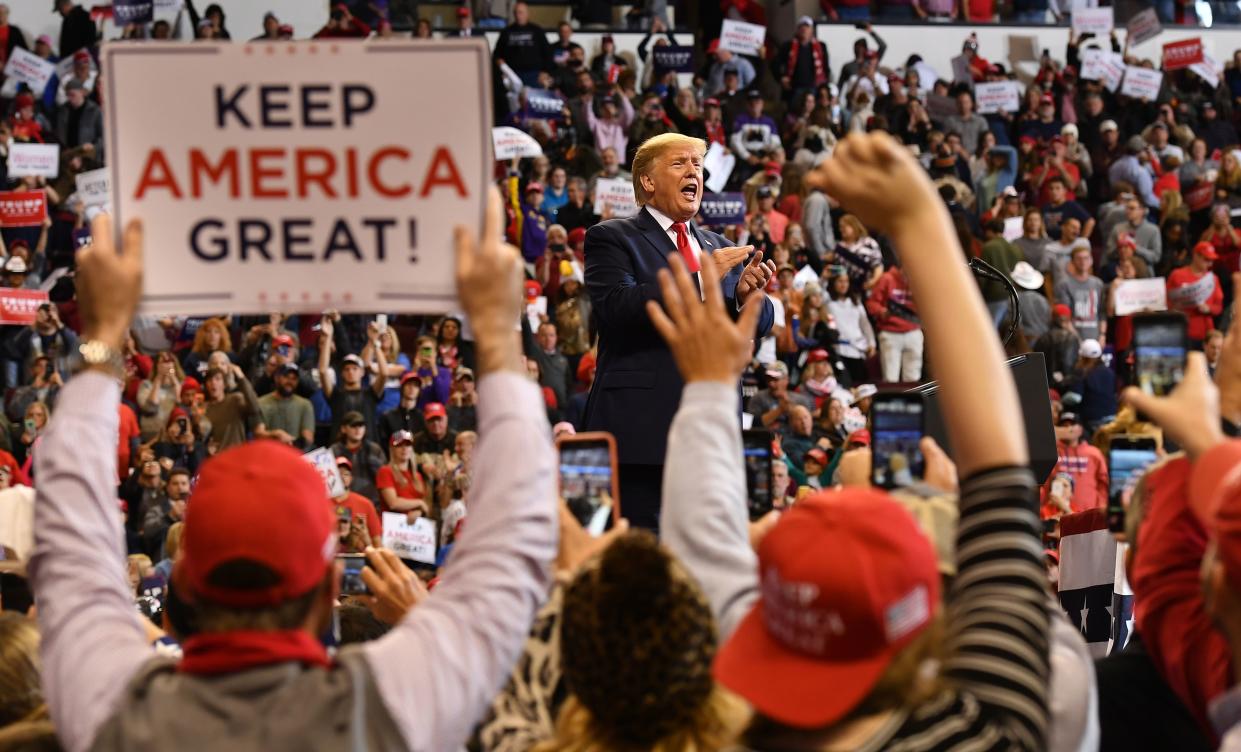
(891,305)
(360,507)
(126,441)
(1195,291)
(777,222)
(9,465)
(1082,463)
(401,487)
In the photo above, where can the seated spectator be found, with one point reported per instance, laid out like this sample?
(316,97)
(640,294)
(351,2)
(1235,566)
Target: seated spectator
(773,406)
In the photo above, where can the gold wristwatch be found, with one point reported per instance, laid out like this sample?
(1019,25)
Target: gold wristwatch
(97,354)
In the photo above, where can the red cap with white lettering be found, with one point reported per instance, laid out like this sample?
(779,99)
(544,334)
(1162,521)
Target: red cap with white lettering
(847,581)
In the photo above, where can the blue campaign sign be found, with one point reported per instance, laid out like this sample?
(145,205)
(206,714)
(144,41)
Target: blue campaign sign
(719,209)
(544,104)
(670,58)
(133,11)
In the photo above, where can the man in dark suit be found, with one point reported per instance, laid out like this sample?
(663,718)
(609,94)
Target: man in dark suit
(637,386)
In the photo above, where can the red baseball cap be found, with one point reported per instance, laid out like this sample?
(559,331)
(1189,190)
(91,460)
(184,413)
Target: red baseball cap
(434,410)
(191,385)
(577,236)
(408,376)
(1061,310)
(847,579)
(1127,240)
(817,355)
(533,289)
(861,437)
(401,437)
(713,46)
(344,462)
(282,339)
(818,455)
(292,532)
(1206,250)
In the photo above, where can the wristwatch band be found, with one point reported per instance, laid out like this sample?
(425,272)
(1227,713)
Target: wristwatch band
(96,354)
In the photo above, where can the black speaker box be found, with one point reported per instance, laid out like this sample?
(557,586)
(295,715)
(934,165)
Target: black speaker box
(1030,374)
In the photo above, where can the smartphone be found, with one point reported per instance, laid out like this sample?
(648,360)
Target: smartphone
(1127,460)
(1160,343)
(351,582)
(897,425)
(756,447)
(381,321)
(589,480)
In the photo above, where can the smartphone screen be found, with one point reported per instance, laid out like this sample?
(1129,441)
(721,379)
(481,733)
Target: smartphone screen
(351,582)
(756,447)
(588,481)
(896,429)
(1159,347)
(1127,460)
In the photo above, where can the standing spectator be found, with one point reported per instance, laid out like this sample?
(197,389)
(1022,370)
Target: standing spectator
(859,254)
(1082,462)
(1059,206)
(1083,293)
(49,336)
(365,456)
(77,30)
(1035,310)
(533,222)
(80,121)
(553,365)
(765,207)
(435,380)
(11,37)
(892,306)
(212,335)
(406,416)
(385,339)
(349,395)
(1003,256)
(159,394)
(578,212)
(167,513)
(724,62)
(523,46)
(230,412)
(611,127)
(967,123)
(1095,385)
(1194,290)
(463,405)
(361,509)
(1131,168)
(1218,134)
(817,220)
(1059,253)
(802,63)
(756,138)
(435,438)
(285,416)
(341,24)
(856,341)
(607,65)
(401,487)
(652,122)
(1145,234)
(1034,241)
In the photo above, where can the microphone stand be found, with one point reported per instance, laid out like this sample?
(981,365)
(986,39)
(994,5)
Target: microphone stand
(982,269)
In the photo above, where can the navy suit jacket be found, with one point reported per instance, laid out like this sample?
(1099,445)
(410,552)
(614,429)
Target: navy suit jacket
(637,385)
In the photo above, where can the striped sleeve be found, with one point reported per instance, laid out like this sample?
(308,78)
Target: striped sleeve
(998,622)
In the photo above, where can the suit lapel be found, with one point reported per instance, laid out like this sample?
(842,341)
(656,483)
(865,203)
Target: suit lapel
(654,234)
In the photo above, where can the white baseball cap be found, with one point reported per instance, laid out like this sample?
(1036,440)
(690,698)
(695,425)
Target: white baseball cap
(1090,348)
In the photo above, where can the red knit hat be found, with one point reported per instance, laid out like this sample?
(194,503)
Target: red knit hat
(258,502)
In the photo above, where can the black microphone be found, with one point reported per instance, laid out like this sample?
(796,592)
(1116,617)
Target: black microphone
(982,269)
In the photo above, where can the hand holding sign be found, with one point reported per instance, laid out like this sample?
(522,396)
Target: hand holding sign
(109,282)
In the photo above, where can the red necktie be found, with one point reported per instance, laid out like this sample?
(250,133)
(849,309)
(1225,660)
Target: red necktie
(687,253)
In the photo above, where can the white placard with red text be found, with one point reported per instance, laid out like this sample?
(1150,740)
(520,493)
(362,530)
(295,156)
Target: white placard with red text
(741,37)
(299,175)
(510,142)
(409,540)
(1142,82)
(39,160)
(617,196)
(1136,295)
(29,69)
(997,96)
(1099,21)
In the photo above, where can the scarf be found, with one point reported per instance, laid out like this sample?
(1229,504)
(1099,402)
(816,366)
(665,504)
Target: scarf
(715,133)
(820,69)
(232,652)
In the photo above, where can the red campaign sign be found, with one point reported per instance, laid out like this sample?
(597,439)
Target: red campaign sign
(18,307)
(1182,54)
(22,208)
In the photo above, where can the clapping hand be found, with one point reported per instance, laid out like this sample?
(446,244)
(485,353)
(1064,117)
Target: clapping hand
(754,277)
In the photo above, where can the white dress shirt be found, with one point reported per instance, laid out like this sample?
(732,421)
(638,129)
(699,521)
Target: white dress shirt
(666,223)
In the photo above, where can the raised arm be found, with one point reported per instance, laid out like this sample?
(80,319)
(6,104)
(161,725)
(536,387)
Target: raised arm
(327,329)
(704,517)
(438,669)
(92,639)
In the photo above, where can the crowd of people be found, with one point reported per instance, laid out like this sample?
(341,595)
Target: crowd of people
(169,479)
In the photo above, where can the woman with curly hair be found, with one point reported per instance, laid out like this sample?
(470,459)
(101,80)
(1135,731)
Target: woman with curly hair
(212,335)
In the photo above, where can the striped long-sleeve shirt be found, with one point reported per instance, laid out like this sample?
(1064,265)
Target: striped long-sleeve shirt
(998,627)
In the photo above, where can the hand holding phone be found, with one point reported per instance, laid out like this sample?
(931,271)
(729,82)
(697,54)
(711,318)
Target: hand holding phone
(1160,345)
(756,447)
(589,479)
(897,427)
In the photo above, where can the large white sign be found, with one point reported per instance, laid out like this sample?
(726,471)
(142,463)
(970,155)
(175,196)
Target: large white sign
(741,37)
(510,142)
(299,175)
(1142,82)
(1209,70)
(1094,20)
(29,69)
(1137,295)
(42,160)
(997,96)
(617,195)
(1106,67)
(409,540)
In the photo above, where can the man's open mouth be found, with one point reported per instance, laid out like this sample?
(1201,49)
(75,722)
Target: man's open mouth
(690,191)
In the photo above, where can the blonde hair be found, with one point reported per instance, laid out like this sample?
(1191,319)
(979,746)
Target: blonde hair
(172,541)
(393,350)
(858,228)
(21,693)
(652,149)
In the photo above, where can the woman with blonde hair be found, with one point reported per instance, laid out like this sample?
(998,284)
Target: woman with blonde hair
(401,487)
(1228,184)
(859,253)
(21,694)
(212,335)
(397,364)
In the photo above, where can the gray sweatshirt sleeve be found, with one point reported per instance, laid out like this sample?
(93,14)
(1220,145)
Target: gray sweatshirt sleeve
(440,668)
(92,640)
(704,519)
